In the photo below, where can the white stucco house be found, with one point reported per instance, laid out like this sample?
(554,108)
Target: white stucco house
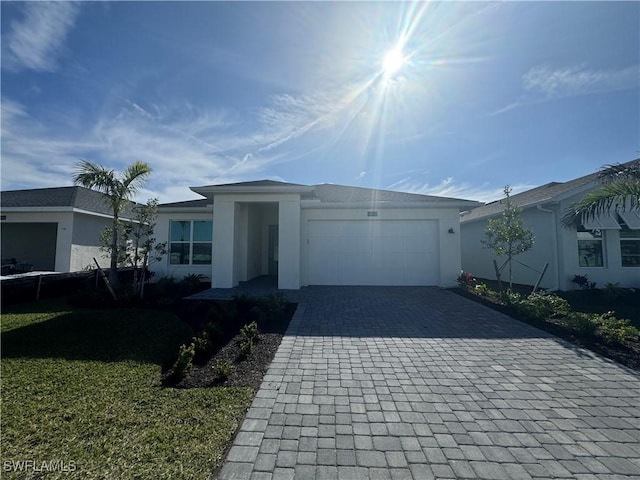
(607,249)
(312,235)
(54,229)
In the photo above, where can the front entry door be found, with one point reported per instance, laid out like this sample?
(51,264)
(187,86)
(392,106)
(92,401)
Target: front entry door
(273,250)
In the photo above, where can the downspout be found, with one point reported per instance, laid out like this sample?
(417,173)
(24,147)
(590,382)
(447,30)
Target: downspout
(554,229)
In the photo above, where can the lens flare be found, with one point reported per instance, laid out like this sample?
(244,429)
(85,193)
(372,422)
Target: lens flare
(393,61)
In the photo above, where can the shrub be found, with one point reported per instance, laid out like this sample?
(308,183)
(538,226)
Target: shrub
(273,306)
(543,306)
(191,283)
(614,291)
(246,345)
(511,298)
(224,313)
(223,369)
(583,282)
(165,286)
(214,330)
(581,323)
(466,280)
(202,347)
(481,289)
(249,332)
(184,363)
(615,330)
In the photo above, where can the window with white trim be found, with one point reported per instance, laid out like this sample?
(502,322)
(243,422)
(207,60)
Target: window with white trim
(190,242)
(590,248)
(629,245)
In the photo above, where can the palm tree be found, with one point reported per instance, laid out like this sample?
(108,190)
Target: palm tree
(619,192)
(119,189)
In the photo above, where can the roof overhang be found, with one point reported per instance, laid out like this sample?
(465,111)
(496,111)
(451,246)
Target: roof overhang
(459,204)
(59,210)
(211,190)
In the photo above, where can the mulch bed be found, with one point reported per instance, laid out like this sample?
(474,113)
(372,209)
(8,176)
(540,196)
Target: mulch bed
(249,370)
(628,355)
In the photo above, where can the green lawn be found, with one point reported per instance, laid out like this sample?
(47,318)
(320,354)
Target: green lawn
(81,387)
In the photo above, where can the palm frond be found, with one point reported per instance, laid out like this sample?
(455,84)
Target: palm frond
(617,171)
(134,177)
(92,175)
(621,195)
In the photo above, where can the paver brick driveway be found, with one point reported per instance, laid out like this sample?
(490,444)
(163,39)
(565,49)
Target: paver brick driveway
(413,383)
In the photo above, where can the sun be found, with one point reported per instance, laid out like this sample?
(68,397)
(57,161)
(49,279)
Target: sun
(393,61)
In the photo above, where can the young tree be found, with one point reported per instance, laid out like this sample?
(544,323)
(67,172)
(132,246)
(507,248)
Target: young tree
(506,235)
(119,189)
(620,191)
(142,247)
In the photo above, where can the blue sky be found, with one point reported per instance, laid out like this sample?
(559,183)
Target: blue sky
(488,94)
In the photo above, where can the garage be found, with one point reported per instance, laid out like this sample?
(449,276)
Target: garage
(32,244)
(373,252)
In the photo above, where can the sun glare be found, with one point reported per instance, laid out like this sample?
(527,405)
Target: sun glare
(393,61)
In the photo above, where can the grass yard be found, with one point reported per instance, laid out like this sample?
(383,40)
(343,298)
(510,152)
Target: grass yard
(81,387)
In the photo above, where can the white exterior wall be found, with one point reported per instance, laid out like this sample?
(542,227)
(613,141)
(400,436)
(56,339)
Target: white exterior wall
(86,242)
(478,260)
(447,218)
(611,272)
(554,244)
(162,268)
(235,215)
(289,245)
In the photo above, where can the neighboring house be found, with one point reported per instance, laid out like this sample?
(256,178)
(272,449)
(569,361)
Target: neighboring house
(607,249)
(312,235)
(54,229)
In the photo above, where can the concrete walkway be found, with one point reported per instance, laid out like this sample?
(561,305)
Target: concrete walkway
(419,383)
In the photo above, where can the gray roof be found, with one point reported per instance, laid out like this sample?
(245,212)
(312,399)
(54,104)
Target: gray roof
(200,202)
(76,197)
(535,196)
(256,183)
(327,192)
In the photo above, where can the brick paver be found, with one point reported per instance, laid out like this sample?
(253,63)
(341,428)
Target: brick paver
(419,383)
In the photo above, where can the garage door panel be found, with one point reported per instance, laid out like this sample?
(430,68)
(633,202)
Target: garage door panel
(389,252)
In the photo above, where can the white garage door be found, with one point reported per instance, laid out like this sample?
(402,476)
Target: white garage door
(376,252)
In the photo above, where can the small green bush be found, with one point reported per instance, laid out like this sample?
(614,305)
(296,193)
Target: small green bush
(581,323)
(273,306)
(543,306)
(223,369)
(184,363)
(614,291)
(511,298)
(583,282)
(615,330)
(201,343)
(481,289)
(466,280)
(246,345)
(249,332)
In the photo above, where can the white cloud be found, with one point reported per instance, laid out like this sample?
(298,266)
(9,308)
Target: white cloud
(543,83)
(184,146)
(36,42)
(448,187)
(578,80)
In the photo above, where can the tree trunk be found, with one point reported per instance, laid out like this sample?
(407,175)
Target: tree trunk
(113,269)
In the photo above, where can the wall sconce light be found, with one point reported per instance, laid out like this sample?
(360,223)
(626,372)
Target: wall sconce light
(451,230)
